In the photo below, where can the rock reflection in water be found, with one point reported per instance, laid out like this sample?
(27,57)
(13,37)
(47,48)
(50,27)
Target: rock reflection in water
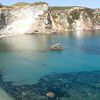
(63,86)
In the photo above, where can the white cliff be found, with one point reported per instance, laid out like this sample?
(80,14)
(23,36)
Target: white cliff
(21,20)
(37,18)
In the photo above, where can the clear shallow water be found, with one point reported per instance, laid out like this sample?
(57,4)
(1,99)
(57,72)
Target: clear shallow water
(25,59)
(28,57)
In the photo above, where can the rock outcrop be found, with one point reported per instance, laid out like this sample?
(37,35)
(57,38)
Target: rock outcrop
(39,18)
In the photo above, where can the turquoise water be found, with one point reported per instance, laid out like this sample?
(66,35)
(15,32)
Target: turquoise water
(28,57)
(25,59)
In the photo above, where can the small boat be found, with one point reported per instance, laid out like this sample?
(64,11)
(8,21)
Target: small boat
(56,47)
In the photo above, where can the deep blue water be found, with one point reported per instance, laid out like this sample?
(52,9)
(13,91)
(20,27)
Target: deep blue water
(25,59)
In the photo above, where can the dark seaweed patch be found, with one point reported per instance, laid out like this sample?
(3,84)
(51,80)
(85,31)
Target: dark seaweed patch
(84,85)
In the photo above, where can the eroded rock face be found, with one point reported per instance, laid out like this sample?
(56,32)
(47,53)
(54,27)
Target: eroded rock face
(21,20)
(75,18)
(38,19)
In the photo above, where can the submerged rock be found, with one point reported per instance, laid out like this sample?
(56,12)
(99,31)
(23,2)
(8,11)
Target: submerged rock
(55,86)
(50,94)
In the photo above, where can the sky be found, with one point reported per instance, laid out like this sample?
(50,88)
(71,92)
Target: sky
(84,3)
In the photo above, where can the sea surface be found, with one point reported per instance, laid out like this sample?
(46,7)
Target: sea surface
(29,69)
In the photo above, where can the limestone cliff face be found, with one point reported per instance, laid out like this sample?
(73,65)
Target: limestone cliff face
(38,19)
(20,20)
(75,18)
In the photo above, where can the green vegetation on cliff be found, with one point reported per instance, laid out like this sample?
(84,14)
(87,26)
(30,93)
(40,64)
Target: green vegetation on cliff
(89,12)
(25,4)
(59,7)
(20,4)
(73,12)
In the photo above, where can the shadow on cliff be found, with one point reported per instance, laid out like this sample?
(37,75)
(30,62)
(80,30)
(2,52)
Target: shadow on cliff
(2,20)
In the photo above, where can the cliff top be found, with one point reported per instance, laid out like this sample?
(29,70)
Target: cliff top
(25,4)
(21,4)
(67,7)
